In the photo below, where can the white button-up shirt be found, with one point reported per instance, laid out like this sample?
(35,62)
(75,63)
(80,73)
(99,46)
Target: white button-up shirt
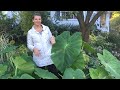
(40,40)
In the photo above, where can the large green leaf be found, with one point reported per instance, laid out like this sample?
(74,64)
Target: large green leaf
(18,61)
(27,67)
(26,76)
(112,65)
(6,76)
(45,74)
(26,57)
(98,73)
(73,74)
(79,63)
(23,65)
(66,49)
(3,69)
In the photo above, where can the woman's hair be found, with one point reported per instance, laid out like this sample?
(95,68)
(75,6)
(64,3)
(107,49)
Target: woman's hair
(36,14)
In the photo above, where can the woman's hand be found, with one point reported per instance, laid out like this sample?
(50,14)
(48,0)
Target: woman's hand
(52,40)
(36,52)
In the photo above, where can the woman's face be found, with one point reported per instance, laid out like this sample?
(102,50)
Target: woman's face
(37,20)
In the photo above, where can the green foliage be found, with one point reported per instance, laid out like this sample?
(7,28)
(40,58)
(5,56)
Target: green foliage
(22,49)
(4,42)
(61,28)
(93,62)
(114,37)
(111,63)
(3,69)
(6,23)
(93,38)
(66,49)
(26,20)
(67,53)
(15,63)
(26,76)
(85,57)
(79,63)
(109,41)
(6,49)
(99,73)
(6,76)
(88,48)
(115,21)
(100,42)
(73,74)
(23,65)
(9,27)
(45,74)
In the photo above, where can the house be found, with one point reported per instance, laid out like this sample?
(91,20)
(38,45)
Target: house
(65,17)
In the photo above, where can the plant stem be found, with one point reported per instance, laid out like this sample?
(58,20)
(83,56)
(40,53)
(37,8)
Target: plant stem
(16,71)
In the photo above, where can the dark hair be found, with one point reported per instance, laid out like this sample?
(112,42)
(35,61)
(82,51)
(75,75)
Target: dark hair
(36,14)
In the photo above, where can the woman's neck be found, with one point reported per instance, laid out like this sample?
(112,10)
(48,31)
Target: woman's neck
(38,28)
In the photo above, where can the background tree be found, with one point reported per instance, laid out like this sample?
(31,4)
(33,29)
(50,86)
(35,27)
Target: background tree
(6,24)
(115,21)
(86,22)
(25,20)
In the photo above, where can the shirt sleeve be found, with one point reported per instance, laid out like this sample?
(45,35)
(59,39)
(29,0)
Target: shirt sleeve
(50,34)
(29,42)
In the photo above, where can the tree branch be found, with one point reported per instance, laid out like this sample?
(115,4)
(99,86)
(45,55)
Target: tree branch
(80,18)
(96,17)
(89,14)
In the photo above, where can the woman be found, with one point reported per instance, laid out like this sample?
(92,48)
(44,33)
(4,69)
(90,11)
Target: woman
(40,41)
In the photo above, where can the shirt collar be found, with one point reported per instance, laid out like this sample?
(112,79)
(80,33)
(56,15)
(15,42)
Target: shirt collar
(43,28)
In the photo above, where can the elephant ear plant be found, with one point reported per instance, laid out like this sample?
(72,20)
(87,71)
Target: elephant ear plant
(111,64)
(66,51)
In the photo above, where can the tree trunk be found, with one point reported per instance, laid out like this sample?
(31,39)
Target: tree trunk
(86,38)
(85,25)
(85,34)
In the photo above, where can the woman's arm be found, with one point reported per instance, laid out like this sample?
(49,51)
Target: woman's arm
(52,38)
(30,45)
(29,42)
